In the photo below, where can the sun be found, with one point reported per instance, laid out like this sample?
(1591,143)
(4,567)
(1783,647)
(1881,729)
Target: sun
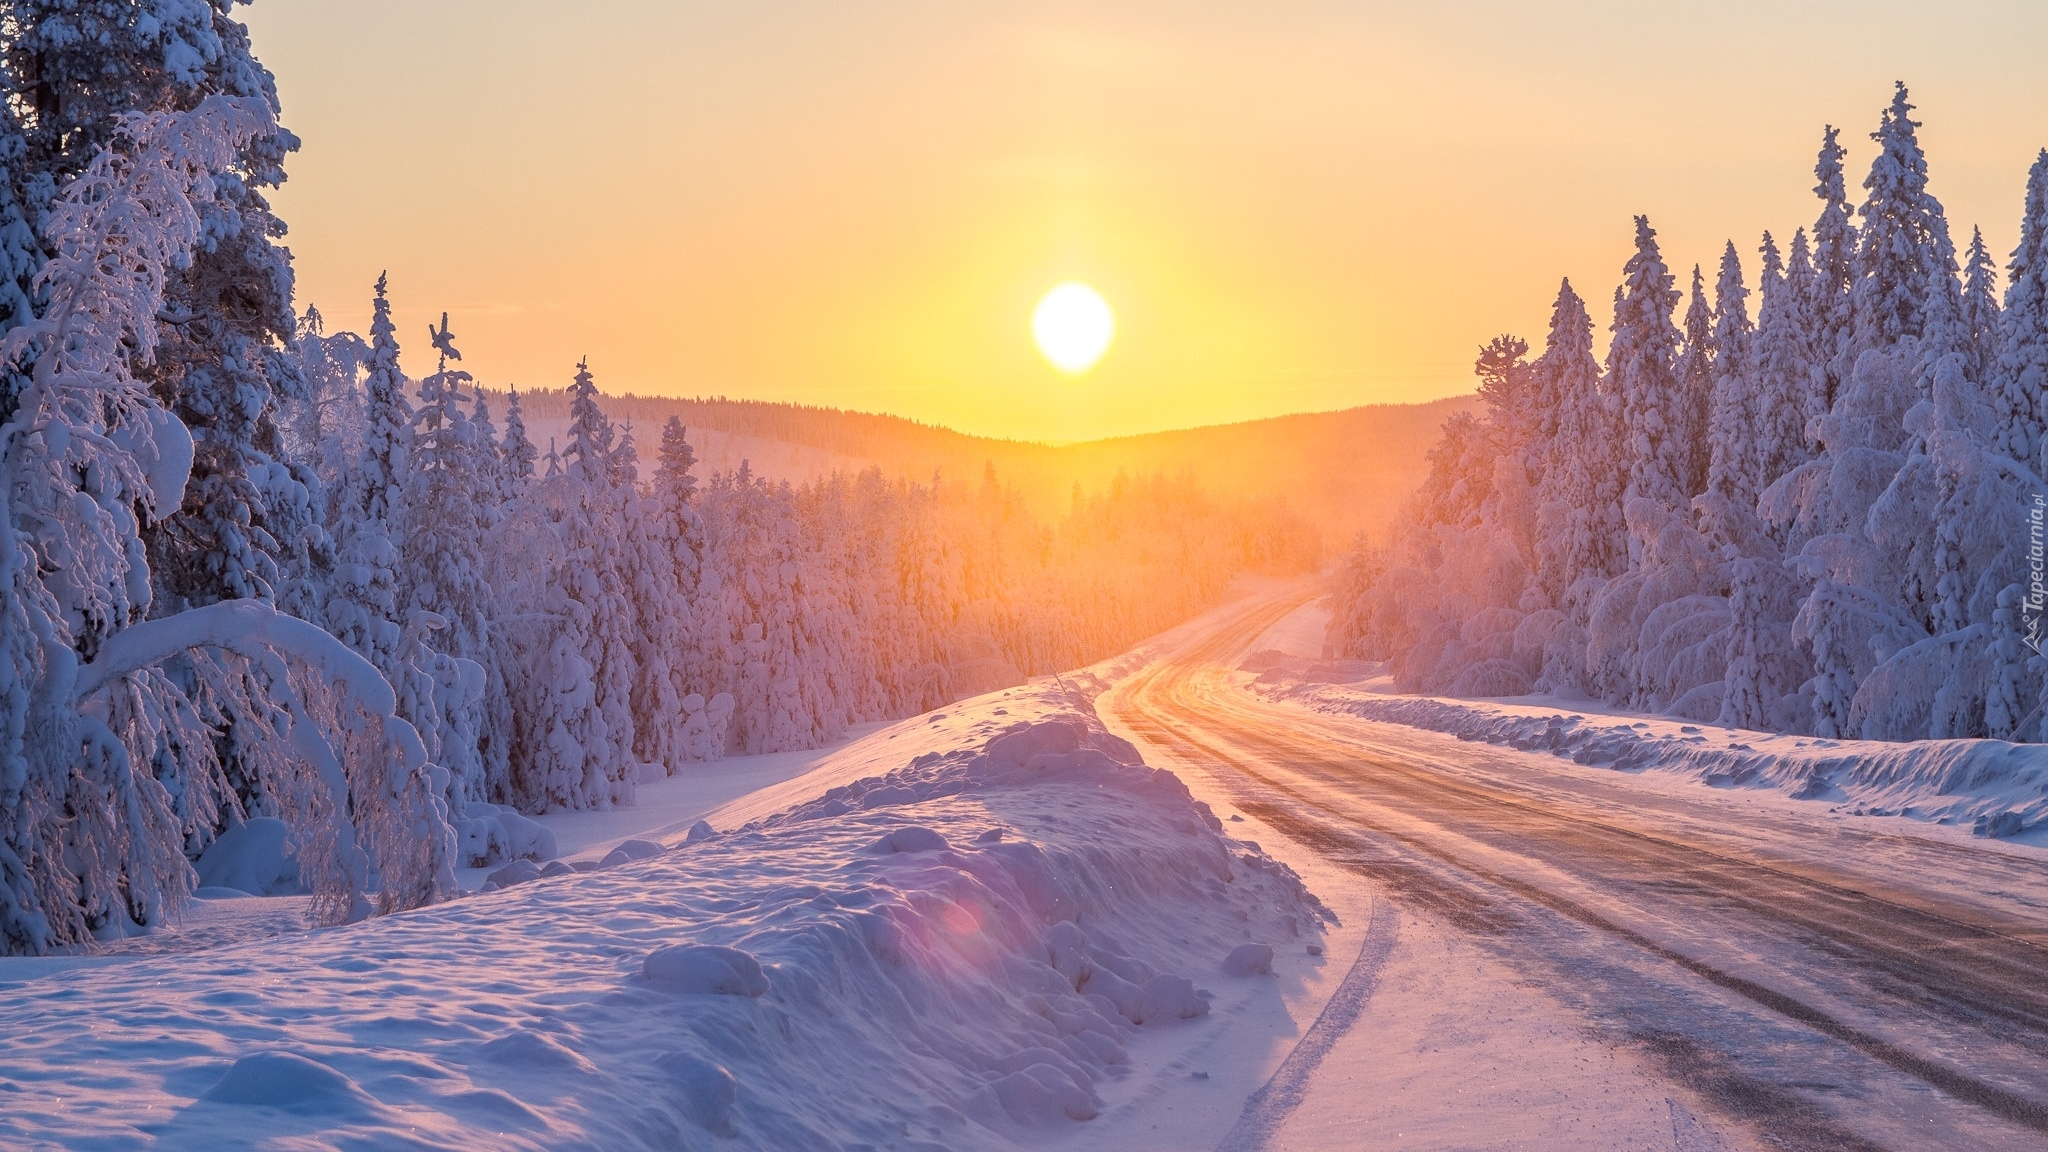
(1073,326)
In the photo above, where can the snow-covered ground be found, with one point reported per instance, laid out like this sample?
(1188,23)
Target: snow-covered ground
(1987,788)
(988,927)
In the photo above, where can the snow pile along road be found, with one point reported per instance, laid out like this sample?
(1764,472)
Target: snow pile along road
(955,954)
(1989,786)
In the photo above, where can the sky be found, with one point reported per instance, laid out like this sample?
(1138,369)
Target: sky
(1291,206)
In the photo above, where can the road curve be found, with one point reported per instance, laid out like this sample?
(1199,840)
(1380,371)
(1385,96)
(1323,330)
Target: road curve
(1822,985)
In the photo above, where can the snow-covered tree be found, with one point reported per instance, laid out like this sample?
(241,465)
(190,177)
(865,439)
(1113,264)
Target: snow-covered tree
(517,451)
(1829,310)
(451,496)
(106,717)
(223,361)
(1980,308)
(1579,501)
(2019,379)
(324,424)
(1732,468)
(1640,367)
(565,560)
(1904,254)
(588,458)
(1855,564)
(1785,380)
(1694,370)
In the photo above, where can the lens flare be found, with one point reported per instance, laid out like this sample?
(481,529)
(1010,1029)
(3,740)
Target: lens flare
(1073,326)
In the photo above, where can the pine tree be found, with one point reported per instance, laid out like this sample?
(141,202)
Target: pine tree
(1804,298)
(1695,372)
(21,249)
(1904,254)
(517,452)
(1579,499)
(387,439)
(1980,308)
(223,364)
(366,601)
(2019,380)
(1641,372)
(1784,396)
(704,706)
(453,499)
(490,461)
(1732,466)
(449,493)
(113,707)
(672,475)
(1829,312)
(325,424)
(625,459)
(1506,387)
(588,458)
(576,740)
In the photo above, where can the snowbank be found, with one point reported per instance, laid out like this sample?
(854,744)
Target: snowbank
(1990,786)
(959,953)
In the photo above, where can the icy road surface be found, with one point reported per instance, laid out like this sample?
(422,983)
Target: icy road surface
(1576,957)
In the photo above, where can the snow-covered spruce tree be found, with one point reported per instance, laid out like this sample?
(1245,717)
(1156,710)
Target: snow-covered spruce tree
(1870,601)
(1731,463)
(705,708)
(1980,309)
(588,458)
(1579,501)
(757,538)
(1657,632)
(323,425)
(1579,540)
(661,632)
(452,501)
(1965,504)
(2008,696)
(1828,309)
(1694,370)
(223,360)
(1640,368)
(1758,429)
(365,601)
(561,566)
(2019,379)
(1904,253)
(490,459)
(21,249)
(97,744)
(516,452)
(1510,387)
(1785,382)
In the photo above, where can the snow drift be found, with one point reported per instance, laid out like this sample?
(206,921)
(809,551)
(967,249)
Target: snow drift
(1993,787)
(954,954)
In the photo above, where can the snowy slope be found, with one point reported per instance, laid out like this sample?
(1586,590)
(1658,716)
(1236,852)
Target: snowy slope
(1007,933)
(1991,787)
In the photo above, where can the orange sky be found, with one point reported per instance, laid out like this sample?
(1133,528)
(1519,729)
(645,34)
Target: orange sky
(1291,206)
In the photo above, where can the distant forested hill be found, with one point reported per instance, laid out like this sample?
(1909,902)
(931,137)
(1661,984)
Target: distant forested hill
(1347,471)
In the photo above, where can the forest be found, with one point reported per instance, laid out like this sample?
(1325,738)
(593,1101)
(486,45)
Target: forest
(251,567)
(1809,506)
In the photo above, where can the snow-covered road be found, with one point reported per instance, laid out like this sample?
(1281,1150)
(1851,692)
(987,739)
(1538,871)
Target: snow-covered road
(1585,958)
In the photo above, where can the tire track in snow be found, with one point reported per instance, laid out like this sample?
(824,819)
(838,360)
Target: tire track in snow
(1266,1109)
